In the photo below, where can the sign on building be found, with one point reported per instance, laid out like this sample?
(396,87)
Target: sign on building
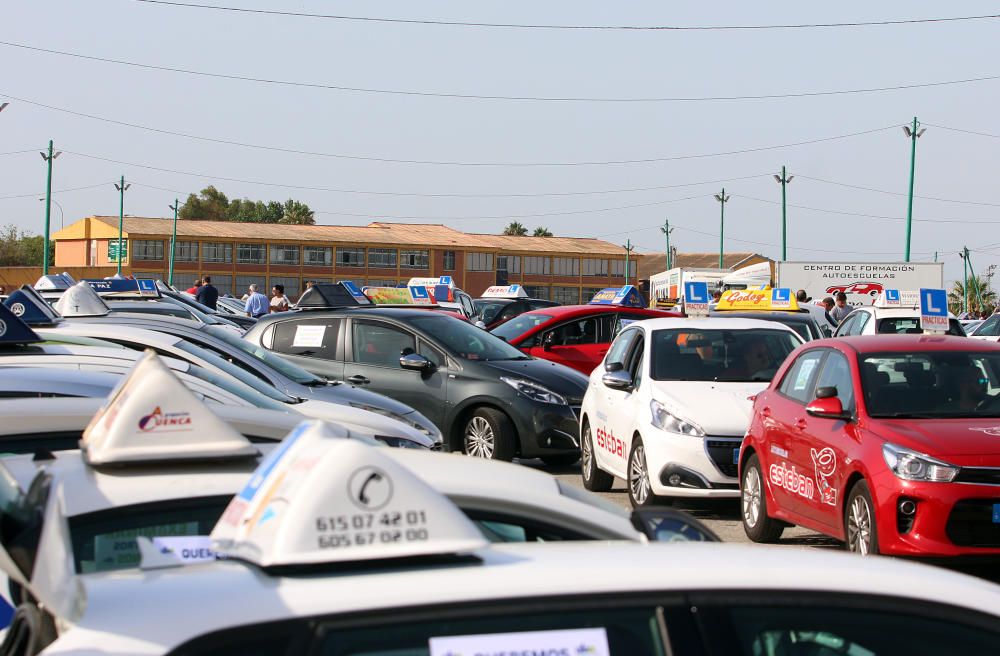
(113,250)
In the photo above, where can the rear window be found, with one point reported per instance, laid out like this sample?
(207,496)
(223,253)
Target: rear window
(911,326)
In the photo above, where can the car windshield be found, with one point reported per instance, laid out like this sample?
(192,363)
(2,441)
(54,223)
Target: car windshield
(105,540)
(489,310)
(241,375)
(466,341)
(911,326)
(293,371)
(932,385)
(520,324)
(719,354)
(239,390)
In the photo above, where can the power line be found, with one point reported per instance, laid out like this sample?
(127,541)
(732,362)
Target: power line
(58,191)
(978,134)
(19,152)
(897,193)
(870,216)
(530,26)
(469,96)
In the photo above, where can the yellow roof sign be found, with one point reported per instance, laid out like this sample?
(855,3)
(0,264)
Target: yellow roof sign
(761,300)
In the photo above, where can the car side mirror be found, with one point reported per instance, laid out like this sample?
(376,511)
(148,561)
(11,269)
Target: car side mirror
(667,525)
(613,366)
(549,340)
(617,380)
(479,324)
(827,405)
(415,362)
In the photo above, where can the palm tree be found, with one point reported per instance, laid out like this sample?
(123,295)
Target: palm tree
(984,301)
(542,232)
(515,229)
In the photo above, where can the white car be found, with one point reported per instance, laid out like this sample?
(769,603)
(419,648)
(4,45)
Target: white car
(667,408)
(335,548)
(987,330)
(880,319)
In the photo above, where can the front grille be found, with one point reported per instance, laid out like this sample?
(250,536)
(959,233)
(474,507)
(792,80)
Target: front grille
(970,524)
(979,476)
(721,453)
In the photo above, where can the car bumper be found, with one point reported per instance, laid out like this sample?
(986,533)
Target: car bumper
(687,466)
(949,519)
(547,429)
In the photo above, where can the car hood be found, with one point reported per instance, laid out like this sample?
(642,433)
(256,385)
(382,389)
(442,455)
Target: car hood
(719,408)
(966,441)
(364,422)
(556,377)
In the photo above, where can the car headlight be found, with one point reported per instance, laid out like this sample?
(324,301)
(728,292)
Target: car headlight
(914,466)
(668,421)
(399,442)
(430,430)
(534,391)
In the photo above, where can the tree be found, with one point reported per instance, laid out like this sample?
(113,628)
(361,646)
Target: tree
(213,205)
(984,301)
(541,231)
(515,229)
(19,248)
(210,205)
(296,213)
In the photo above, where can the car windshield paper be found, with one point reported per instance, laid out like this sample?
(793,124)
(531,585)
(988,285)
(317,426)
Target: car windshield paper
(152,416)
(296,373)
(713,354)
(319,498)
(81,300)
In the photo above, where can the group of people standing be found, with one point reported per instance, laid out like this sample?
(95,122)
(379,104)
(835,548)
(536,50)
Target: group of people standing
(256,304)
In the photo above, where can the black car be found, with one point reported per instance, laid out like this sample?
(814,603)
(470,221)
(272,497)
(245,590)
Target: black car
(488,398)
(495,311)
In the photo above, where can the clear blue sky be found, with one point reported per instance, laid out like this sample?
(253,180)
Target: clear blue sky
(511,62)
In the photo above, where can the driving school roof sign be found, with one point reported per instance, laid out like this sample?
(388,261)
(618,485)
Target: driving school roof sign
(125,287)
(505,291)
(627,296)
(779,298)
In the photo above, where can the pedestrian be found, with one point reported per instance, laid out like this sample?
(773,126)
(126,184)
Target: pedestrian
(801,296)
(841,309)
(256,305)
(716,295)
(309,284)
(207,294)
(279,302)
(193,289)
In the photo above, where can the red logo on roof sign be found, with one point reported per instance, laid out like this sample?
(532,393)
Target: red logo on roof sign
(164,421)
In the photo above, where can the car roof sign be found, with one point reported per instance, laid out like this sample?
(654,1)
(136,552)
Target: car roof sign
(81,300)
(325,295)
(32,309)
(125,287)
(447,281)
(398,295)
(151,416)
(288,513)
(13,330)
(759,300)
(894,298)
(505,291)
(627,296)
(54,282)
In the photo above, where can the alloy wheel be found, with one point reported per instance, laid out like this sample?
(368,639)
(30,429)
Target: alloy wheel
(587,454)
(479,438)
(859,526)
(638,481)
(751,497)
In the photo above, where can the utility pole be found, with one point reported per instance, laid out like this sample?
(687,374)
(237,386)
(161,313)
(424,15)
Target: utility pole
(912,133)
(48,203)
(628,251)
(121,219)
(783,181)
(965,278)
(173,242)
(723,199)
(666,230)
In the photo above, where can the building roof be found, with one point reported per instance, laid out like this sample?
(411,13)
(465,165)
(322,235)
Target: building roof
(653,264)
(396,234)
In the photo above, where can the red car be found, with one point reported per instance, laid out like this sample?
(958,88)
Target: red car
(890,443)
(577,336)
(873,289)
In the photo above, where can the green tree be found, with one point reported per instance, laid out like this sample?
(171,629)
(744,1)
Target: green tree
(515,229)
(213,205)
(20,248)
(210,205)
(984,301)
(296,213)
(541,231)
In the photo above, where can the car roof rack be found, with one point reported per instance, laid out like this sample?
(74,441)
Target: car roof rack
(13,331)
(627,296)
(328,296)
(152,417)
(81,300)
(286,517)
(32,309)
(125,288)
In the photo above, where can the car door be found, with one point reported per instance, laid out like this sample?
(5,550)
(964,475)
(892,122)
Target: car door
(847,325)
(373,348)
(312,342)
(783,417)
(612,424)
(822,445)
(580,342)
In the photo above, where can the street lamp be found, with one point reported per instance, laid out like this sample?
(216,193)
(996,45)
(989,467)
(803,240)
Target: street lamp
(783,181)
(121,219)
(4,106)
(48,204)
(628,252)
(911,134)
(723,199)
(666,230)
(62,215)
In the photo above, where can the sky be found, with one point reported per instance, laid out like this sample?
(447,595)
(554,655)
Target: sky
(596,166)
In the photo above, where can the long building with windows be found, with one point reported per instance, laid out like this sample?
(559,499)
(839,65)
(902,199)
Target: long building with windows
(563,269)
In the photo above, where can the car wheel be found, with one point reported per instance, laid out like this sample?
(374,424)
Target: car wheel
(488,433)
(594,479)
(640,491)
(753,504)
(859,521)
(562,460)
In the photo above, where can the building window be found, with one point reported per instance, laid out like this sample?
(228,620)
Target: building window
(186,251)
(147,249)
(587,293)
(449,260)
(414,260)
(595,267)
(566,295)
(351,257)
(243,284)
(250,254)
(284,254)
(479,261)
(183,281)
(509,263)
(317,256)
(618,268)
(223,283)
(380,282)
(537,291)
(565,266)
(536,266)
(216,252)
(291,284)
(382,258)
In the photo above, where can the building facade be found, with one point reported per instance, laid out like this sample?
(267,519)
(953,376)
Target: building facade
(564,269)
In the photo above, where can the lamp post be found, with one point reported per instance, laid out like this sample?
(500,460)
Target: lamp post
(964,254)
(628,251)
(173,242)
(4,106)
(121,218)
(723,199)
(912,134)
(666,230)
(48,204)
(783,181)
(62,215)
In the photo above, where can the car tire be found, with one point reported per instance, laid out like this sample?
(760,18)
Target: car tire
(640,490)
(860,528)
(488,433)
(561,460)
(594,479)
(753,505)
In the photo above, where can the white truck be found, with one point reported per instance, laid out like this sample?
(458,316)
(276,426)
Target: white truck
(861,281)
(666,288)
